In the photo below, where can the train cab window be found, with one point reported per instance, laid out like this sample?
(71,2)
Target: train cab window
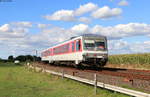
(94,44)
(78,45)
(89,43)
(100,44)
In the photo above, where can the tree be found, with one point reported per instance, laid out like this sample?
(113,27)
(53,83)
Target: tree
(29,58)
(11,58)
(38,59)
(21,58)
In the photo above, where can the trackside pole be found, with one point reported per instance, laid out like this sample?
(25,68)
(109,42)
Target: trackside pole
(34,68)
(43,69)
(62,73)
(95,83)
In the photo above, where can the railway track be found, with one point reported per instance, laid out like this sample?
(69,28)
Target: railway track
(137,79)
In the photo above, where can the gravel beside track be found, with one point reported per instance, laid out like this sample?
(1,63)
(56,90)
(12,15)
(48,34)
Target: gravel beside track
(129,78)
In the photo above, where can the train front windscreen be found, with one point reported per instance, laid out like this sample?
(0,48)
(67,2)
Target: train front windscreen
(94,44)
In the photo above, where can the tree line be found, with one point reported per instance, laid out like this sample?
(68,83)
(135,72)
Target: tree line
(21,58)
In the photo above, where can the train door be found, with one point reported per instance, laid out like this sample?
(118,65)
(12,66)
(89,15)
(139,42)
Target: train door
(78,45)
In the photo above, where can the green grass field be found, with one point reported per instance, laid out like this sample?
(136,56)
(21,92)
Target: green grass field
(16,81)
(141,61)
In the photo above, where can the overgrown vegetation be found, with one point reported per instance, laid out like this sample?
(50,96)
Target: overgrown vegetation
(134,60)
(24,58)
(21,58)
(16,81)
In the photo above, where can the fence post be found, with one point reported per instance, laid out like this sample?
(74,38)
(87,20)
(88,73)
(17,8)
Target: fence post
(95,83)
(34,68)
(25,65)
(43,69)
(28,65)
(62,74)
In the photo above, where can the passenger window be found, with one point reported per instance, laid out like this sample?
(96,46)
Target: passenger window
(78,45)
(73,47)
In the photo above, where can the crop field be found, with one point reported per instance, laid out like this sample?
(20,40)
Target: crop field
(141,61)
(16,81)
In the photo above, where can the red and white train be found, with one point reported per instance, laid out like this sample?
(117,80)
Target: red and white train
(87,48)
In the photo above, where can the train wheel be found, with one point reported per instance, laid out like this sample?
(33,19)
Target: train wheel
(102,63)
(79,66)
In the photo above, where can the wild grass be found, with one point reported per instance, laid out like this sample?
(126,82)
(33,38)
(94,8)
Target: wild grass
(131,60)
(16,81)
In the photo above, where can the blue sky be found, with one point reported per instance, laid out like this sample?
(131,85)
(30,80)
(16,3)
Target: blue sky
(25,10)
(26,25)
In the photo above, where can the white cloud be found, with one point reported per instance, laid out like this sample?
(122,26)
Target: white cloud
(53,34)
(42,26)
(5,28)
(81,28)
(118,44)
(123,3)
(85,8)
(140,47)
(84,20)
(22,24)
(124,47)
(70,15)
(122,30)
(12,31)
(19,39)
(13,36)
(48,35)
(75,15)
(106,13)
(64,15)
(118,47)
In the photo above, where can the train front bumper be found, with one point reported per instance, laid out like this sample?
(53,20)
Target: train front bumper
(95,55)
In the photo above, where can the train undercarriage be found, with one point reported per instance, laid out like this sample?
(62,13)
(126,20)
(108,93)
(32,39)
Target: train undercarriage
(89,62)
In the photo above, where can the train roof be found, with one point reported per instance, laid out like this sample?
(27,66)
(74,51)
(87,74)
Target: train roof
(92,35)
(88,35)
(84,35)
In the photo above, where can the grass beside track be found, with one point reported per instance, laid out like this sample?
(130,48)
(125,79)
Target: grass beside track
(16,81)
(141,61)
